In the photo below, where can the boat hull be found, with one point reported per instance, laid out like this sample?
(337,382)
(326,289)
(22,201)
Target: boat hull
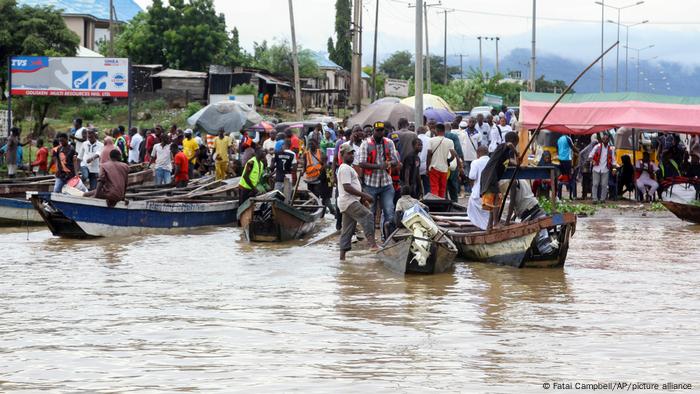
(18,212)
(513,244)
(285,222)
(81,217)
(687,212)
(397,257)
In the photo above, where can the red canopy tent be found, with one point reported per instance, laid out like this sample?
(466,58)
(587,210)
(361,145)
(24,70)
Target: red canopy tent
(589,113)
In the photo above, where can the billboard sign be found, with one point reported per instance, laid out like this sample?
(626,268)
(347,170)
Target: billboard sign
(492,100)
(395,87)
(69,76)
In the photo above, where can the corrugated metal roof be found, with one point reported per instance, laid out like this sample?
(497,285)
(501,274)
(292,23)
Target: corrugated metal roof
(323,62)
(99,9)
(172,73)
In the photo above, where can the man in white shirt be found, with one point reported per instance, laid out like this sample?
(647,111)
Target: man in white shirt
(269,148)
(484,128)
(135,147)
(440,152)
(89,156)
(498,133)
(352,203)
(472,143)
(477,214)
(162,157)
(425,139)
(603,159)
(647,172)
(80,134)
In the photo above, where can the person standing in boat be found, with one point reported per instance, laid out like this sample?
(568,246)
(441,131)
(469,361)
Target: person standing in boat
(66,162)
(477,214)
(180,167)
(284,166)
(113,180)
(352,204)
(190,148)
(251,177)
(121,144)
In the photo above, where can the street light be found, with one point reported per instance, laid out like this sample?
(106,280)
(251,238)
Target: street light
(627,42)
(639,50)
(617,61)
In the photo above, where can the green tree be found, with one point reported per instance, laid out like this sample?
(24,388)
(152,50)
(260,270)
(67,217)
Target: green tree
(341,53)
(398,65)
(33,31)
(38,31)
(277,59)
(381,78)
(232,54)
(186,35)
(555,86)
(437,70)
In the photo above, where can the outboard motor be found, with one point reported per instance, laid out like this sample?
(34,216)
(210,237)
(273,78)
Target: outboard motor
(423,229)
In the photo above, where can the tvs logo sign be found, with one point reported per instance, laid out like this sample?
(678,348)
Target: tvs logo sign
(28,64)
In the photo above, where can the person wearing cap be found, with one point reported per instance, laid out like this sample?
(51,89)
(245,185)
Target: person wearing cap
(377,157)
(352,203)
(190,148)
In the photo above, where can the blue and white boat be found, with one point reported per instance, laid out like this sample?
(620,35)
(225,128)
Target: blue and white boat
(83,217)
(18,211)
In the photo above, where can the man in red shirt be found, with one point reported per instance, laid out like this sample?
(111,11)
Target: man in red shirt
(40,166)
(180,166)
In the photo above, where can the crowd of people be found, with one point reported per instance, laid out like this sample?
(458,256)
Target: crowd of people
(360,172)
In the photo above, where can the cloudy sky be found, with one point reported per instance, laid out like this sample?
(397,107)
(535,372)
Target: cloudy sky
(569,28)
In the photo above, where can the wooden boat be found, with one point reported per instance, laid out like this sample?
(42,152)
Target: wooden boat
(83,217)
(268,218)
(16,209)
(510,244)
(687,212)
(397,256)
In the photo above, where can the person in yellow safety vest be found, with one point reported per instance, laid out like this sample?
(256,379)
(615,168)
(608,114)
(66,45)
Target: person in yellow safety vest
(252,174)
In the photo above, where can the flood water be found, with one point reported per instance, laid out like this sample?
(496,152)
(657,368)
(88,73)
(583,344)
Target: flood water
(207,312)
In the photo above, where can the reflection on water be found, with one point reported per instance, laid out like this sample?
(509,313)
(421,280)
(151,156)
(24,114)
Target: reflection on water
(207,312)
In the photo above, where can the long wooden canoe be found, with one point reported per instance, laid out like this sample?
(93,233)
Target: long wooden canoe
(687,212)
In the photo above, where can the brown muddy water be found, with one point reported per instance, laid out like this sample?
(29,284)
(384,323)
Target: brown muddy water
(208,312)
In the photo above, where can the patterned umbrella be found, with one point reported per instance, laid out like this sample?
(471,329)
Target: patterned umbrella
(439,115)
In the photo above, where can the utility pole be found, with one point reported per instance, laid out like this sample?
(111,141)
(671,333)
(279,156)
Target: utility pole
(639,50)
(532,57)
(427,48)
(111,29)
(374,55)
(617,60)
(492,39)
(444,58)
(356,72)
(418,73)
(627,43)
(295,60)
(497,69)
(461,66)
(481,62)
